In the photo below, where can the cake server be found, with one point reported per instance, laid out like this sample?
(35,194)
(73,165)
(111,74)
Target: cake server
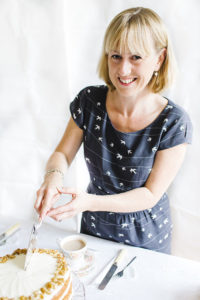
(8,233)
(32,243)
(112,270)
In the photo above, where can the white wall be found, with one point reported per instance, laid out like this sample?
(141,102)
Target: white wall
(49,51)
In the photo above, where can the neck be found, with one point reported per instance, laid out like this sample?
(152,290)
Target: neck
(129,105)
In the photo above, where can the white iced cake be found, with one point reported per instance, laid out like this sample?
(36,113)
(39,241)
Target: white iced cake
(47,276)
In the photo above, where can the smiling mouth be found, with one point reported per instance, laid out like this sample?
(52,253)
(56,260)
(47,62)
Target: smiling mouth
(127,82)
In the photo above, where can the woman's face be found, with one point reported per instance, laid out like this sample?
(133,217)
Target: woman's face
(130,73)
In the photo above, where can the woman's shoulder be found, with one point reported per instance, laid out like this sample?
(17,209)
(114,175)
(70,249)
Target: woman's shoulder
(93,90)
(175,111)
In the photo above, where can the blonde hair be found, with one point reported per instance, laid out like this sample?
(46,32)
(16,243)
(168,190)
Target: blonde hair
(135,29)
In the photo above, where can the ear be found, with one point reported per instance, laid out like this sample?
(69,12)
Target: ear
(161,58)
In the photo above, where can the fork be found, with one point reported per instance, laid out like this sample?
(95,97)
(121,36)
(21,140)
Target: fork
(121,273)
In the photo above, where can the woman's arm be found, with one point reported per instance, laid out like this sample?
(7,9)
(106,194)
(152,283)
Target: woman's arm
(166,165)
(62,157)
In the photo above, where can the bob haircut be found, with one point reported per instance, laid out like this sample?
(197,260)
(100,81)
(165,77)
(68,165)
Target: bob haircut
(135,29)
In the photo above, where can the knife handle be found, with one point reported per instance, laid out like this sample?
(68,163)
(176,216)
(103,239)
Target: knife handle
(120,256)
(12,229)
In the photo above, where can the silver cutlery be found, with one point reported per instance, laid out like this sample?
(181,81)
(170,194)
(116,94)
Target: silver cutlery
(112,270)
(8,233)
(121,273)
(32,243)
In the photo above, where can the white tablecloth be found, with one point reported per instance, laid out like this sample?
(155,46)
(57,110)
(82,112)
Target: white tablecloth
(157,276)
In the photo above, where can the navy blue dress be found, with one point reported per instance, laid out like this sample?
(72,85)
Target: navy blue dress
(119,162)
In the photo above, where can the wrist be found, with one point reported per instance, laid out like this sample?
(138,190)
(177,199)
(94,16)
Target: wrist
(92,202)
(54,171)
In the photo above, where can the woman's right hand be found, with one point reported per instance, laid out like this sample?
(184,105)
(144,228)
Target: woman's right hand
(48,194)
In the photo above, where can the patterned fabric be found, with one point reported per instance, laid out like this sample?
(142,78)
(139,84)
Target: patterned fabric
(119,162)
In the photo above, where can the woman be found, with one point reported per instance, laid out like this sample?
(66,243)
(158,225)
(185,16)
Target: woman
(134,139)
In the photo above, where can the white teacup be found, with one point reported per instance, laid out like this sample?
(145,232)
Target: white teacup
(74,248)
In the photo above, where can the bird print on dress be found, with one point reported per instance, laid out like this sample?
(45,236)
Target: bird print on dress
(120,235)
(164,128)
(124,225)
(169,107)
(111,145)
(97,127)
(123,142)
(133,171)
(165,221)
(149,139)
(129,151)
(98,118)
(154,149)
(166,236)
(119,156)
(154,216)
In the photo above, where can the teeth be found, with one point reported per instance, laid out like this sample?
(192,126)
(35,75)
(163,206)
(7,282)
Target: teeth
(127,81)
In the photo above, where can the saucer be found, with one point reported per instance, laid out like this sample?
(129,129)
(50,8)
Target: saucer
(87,266)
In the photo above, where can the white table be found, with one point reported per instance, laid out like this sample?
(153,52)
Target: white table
(158,276)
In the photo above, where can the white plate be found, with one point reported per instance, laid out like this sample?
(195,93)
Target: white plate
(89,263)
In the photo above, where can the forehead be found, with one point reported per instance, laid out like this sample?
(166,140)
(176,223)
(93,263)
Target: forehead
(132,40)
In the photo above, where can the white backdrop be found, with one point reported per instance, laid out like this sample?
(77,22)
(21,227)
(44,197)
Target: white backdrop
(49,51)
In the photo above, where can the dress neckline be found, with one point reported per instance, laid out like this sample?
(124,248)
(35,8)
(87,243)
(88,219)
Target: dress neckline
(132,132)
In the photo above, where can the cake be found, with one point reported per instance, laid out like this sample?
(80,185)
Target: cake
(47,276)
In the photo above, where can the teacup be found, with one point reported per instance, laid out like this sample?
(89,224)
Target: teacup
(74,248)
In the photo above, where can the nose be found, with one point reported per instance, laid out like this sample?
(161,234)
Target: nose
(125,67)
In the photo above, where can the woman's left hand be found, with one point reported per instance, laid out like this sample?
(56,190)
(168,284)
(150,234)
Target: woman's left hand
(80,202)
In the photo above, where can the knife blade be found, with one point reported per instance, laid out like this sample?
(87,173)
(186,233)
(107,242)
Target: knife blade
(8,233)
(32,243)
(112,270)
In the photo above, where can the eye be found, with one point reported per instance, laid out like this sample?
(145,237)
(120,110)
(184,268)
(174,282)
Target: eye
(116,57)
(136,57)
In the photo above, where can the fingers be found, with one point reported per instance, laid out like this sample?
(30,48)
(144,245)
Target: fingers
(66,190)
(47,197)
(40,194)
(60,209)
(64,211)
(64,215)
(48,200)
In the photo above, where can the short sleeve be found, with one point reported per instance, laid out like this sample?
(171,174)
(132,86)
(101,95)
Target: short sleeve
(178,132)
(77,109)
